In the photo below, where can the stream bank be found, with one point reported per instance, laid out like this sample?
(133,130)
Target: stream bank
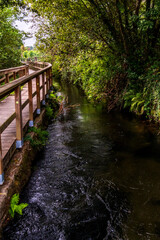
(19,169)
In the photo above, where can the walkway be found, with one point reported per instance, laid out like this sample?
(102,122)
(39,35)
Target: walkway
(7,112)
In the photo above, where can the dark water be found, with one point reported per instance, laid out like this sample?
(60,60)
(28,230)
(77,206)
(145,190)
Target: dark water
(98,178)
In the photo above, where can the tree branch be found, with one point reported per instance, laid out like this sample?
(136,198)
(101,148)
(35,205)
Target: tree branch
(138,5)
(123,36)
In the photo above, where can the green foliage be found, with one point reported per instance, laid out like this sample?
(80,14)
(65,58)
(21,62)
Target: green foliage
(10,39)
(15,207)
(29,54)
(40,138)
(25,54)
(135,102)
(107,47)
(148,100)
(49,112)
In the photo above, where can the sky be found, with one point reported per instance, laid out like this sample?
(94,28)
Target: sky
(26,27)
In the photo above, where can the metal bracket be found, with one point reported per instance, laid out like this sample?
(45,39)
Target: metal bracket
(1,178)
(38,111)
(31,124)
(19,143)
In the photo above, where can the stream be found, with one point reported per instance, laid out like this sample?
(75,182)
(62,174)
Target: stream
(97,178)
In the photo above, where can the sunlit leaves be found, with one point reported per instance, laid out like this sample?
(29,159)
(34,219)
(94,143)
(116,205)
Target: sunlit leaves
(10,40)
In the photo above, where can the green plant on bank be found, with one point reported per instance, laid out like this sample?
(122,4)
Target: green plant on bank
(134,101)
(40,138)
(56,86)
(49,112)
(52,96)
(148,99)
(15,207)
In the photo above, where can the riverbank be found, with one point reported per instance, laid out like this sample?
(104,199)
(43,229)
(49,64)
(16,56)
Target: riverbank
(20,167)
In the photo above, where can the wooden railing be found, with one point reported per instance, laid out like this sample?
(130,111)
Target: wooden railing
(15,86)
(7,74)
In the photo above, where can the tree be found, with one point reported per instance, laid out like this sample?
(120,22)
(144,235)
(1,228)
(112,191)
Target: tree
(124,35)
(130,29)
(10,39)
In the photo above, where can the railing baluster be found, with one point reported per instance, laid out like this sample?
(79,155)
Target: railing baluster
(43,89)
(7,78)
(50,77)
(47,96)
(1,164)
(14,75)
(27,70)
(18,109)
(51,81)
(38,95)
(30,103)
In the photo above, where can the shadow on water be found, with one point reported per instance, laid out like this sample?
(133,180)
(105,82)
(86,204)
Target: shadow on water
(98,178)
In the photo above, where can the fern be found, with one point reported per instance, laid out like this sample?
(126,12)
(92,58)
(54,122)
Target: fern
(15,207)
(136,102)
(41,137)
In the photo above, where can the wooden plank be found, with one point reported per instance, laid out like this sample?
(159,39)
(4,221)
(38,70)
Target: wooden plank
(8,70)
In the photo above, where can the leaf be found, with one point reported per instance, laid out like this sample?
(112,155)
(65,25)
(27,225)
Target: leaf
(15,199)
(14,207)
(20,207)
(133,106)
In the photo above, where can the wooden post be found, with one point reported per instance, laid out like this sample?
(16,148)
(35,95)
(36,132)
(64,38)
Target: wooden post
(1,164)
(7,78)
(51,79)
(43,89)
(38,95)
(27,70)
(14,75)
(20,73)
(30,103)
(18,109)
(49,73)
(47,96)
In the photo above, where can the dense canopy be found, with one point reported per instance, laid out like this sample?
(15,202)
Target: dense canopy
(111,48)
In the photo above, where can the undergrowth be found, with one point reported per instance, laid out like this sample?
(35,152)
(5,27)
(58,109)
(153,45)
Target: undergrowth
(40,138)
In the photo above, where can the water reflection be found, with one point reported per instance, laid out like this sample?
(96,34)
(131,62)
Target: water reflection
(98,178)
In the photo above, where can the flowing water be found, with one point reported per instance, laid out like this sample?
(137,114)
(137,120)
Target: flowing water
(97,178)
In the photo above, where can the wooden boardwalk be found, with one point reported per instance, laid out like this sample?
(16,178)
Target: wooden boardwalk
(7,111)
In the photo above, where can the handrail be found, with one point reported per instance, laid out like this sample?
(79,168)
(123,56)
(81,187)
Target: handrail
(10,87)
(12,72)
(8,70)
(15,86)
